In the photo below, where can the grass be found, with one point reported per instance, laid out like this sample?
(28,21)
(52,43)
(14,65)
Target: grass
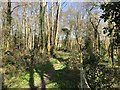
(52,85)
(22,81)
(61,77)
(63,55)
(57,64)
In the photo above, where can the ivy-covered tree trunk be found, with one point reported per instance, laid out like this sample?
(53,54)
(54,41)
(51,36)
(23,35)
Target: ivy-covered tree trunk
(111,43)
(41,26)
(8,25)
(41,33)
(24,25)
(111,15)
(119,56)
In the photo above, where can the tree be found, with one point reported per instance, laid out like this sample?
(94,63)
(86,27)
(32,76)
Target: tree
(112,16)
(95,22)
(8,25)
(52,26)
(48,31)
(41,25)
(57,25)
(67,34)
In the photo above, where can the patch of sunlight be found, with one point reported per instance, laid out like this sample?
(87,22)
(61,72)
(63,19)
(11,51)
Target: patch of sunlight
(24,81)
(66,57)
(63,53)
(21,82)
(54,61)
(24,84)
(59,66)
(37,79)
(115,58)
(53,85)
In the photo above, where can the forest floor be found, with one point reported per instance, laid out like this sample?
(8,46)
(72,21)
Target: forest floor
(54,73)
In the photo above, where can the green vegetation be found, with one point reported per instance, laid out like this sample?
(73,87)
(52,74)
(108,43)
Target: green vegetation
(63,71)
(60,45)
(61,77)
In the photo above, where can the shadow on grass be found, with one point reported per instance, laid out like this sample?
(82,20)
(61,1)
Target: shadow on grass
(65,78)
(45,68)
(31,79)
(30,69)
(60,59)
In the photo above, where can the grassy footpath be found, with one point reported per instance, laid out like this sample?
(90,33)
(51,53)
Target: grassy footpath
(58,72)
(61,77)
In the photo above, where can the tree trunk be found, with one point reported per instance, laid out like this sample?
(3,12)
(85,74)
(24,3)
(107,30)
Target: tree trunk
(119,56)
(57,26)
(76,33)
(41,26)
(42,36)
(48,32)
(24,23)
(8,25)
(52,29)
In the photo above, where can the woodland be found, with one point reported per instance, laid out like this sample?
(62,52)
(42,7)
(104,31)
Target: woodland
(60,45)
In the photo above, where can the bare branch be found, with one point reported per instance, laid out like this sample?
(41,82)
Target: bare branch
(15,8)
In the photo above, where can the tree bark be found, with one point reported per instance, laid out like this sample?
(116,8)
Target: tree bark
(24,24)
(9,19)
(48,31)
(52,29)
(57,26)
(119,56)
